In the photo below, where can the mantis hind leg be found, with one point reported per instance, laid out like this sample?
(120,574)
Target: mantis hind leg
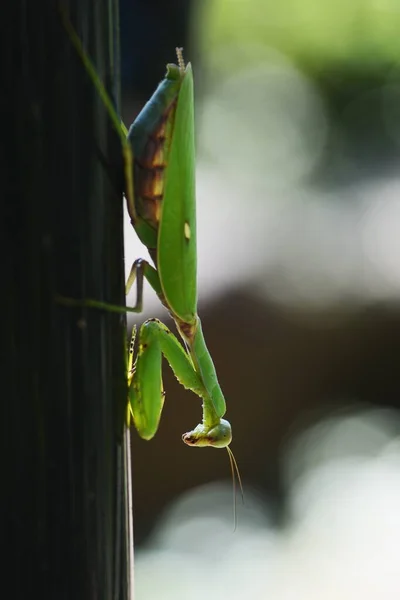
(146,395)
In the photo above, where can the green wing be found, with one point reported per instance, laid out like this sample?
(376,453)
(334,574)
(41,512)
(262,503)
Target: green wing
(176,249)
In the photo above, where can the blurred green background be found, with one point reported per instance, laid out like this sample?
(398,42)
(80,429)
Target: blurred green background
(314,34)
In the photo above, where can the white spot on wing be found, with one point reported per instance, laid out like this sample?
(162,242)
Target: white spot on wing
(186,230)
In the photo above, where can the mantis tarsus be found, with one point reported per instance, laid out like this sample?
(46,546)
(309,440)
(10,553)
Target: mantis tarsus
(159,167)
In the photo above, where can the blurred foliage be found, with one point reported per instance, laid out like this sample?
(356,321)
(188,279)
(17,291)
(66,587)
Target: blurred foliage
(312,32)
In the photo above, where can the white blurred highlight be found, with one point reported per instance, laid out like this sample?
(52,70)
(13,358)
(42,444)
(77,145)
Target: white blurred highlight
(342,540)
(260,224)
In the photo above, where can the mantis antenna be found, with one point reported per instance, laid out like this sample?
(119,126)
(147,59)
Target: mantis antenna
(235,474)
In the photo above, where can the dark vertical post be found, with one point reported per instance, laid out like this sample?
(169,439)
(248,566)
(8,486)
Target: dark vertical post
(63,379)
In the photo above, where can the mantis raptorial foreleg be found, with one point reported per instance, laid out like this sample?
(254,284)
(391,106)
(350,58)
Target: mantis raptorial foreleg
(146,393)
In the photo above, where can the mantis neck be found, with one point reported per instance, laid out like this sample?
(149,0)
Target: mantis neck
(213,401)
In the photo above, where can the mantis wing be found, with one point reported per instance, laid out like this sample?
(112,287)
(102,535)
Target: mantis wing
(176,249)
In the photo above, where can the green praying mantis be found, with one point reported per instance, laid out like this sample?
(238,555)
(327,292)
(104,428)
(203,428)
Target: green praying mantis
(159,171)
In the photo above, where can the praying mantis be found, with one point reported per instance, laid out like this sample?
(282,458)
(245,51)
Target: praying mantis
(159,171)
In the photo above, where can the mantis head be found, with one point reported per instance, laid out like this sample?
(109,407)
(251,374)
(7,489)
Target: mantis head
(217,436)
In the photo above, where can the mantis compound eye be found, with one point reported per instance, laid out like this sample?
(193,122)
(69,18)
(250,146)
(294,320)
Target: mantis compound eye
(217,436)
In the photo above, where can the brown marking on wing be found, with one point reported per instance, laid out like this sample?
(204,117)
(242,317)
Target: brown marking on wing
(150,172)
